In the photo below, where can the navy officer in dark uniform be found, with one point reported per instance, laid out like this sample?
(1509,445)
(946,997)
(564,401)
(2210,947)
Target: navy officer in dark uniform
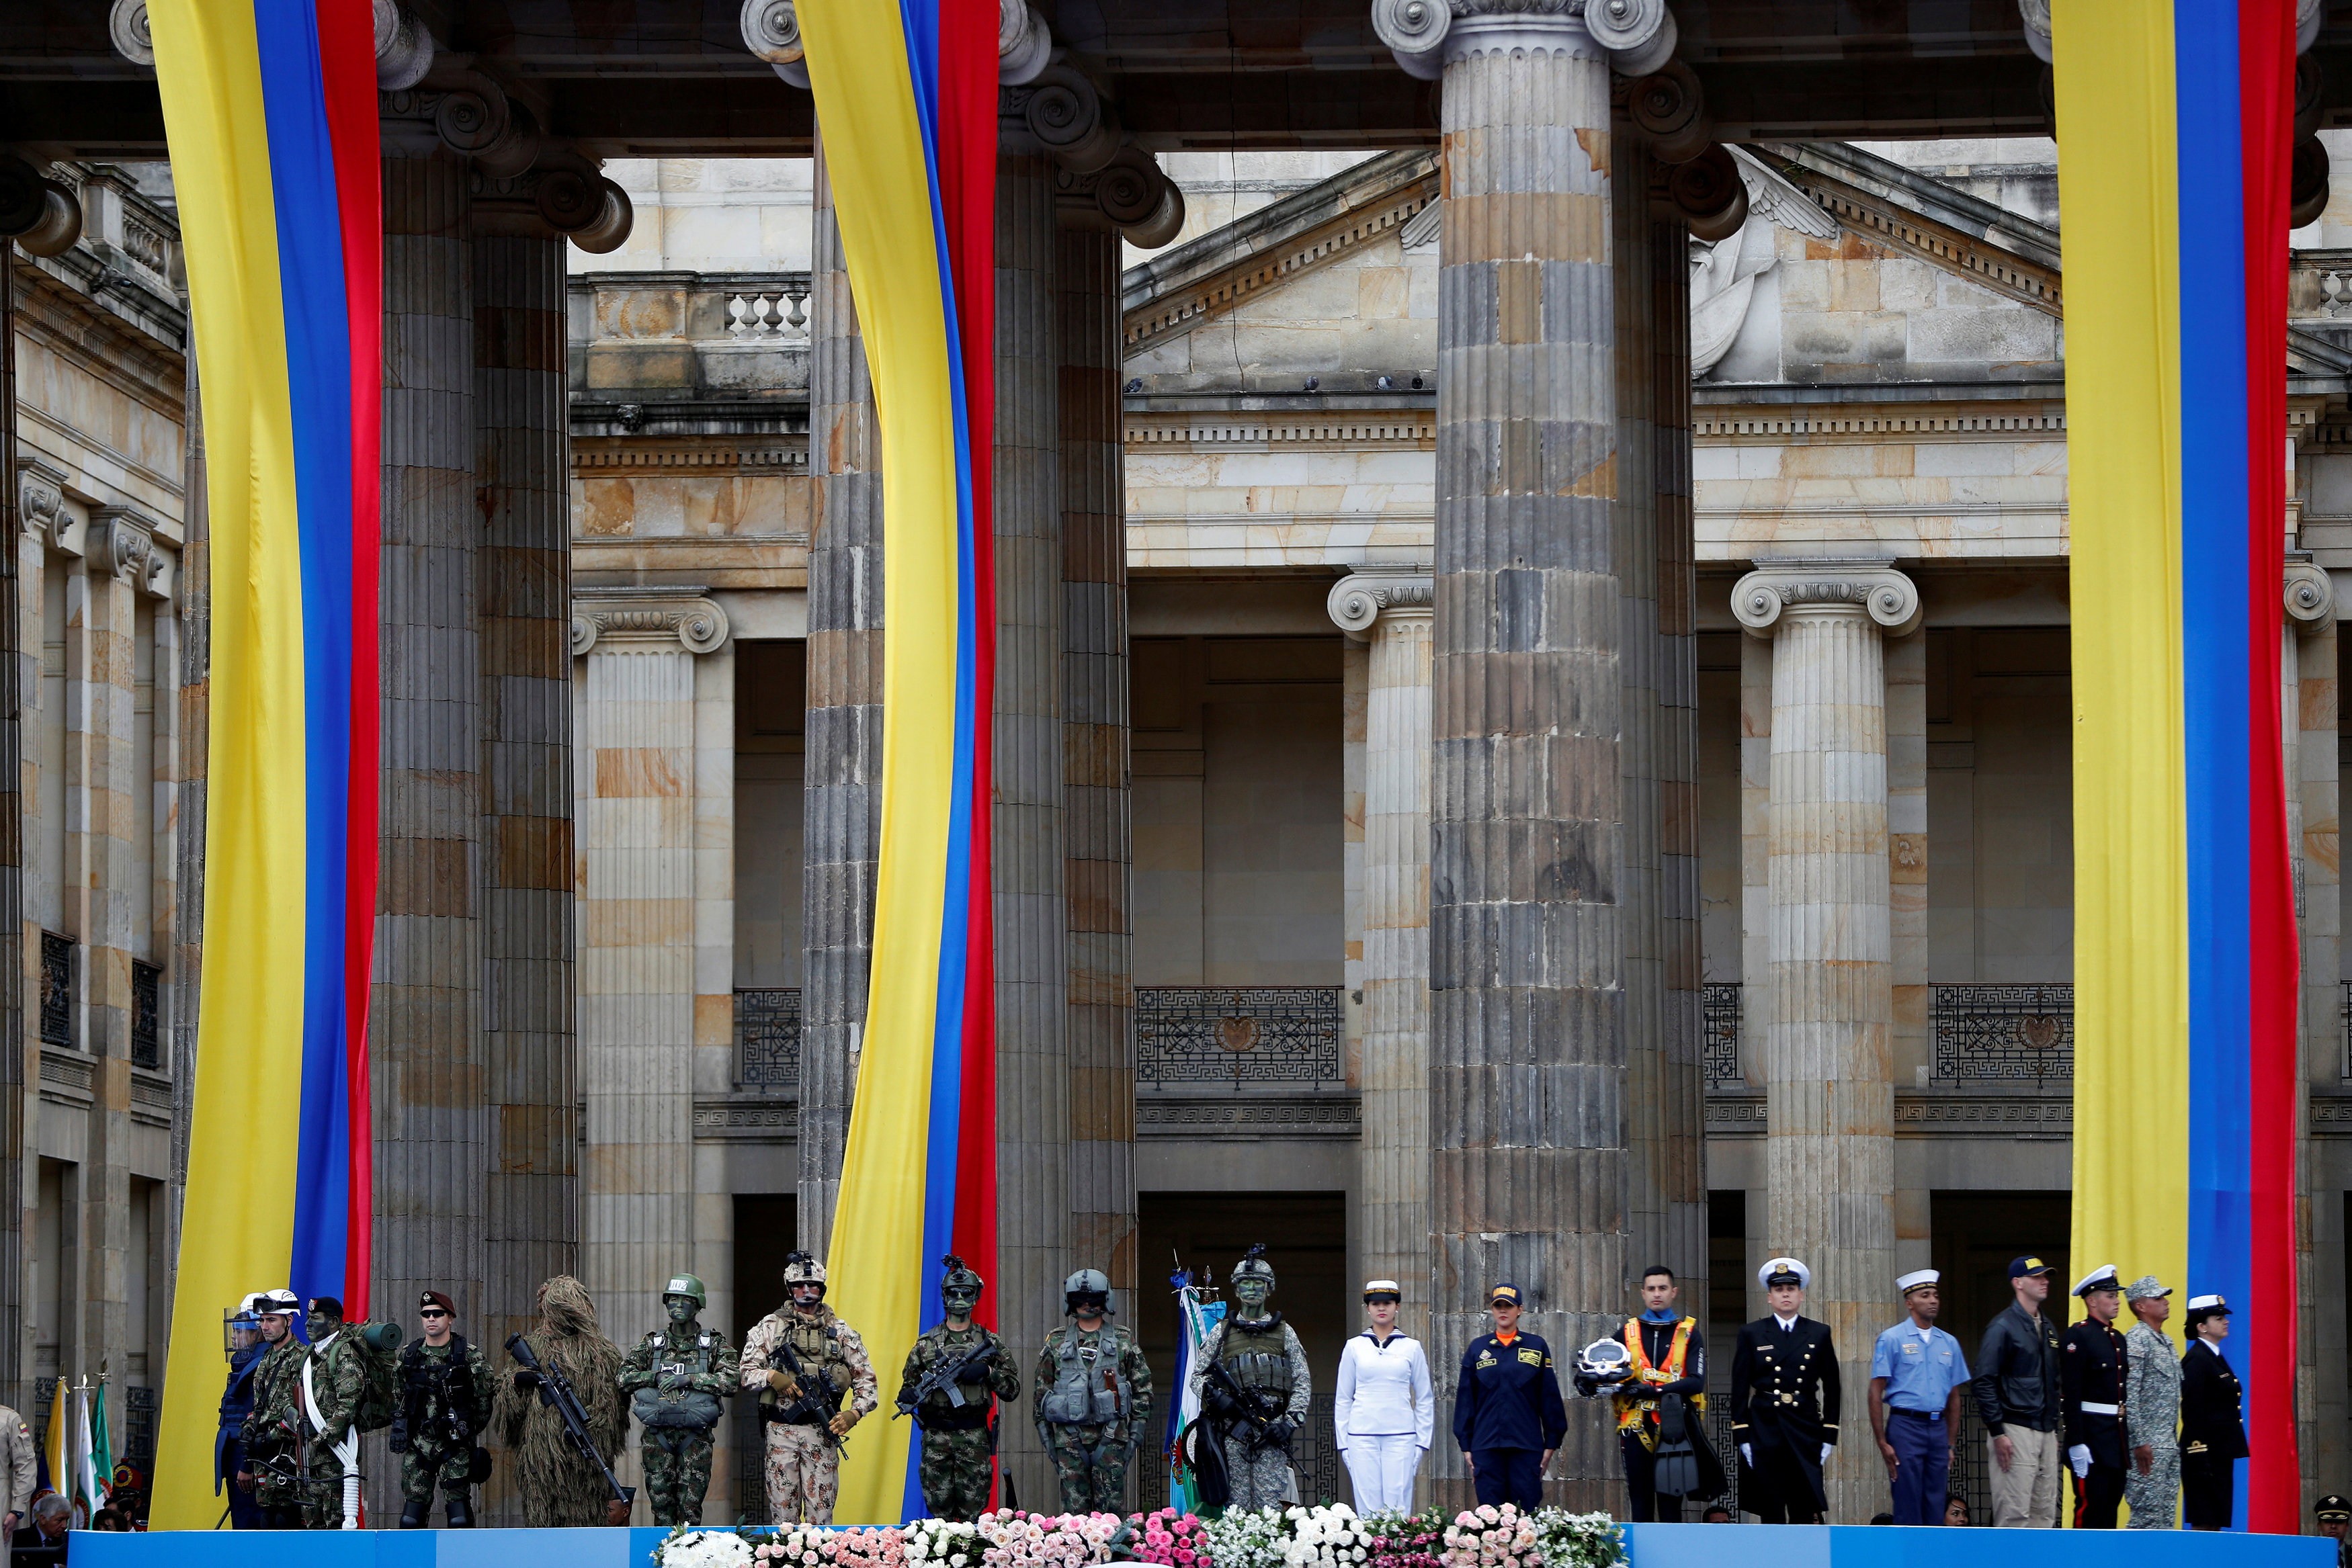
(1509,1417)
(2212,1419)
(1784,1402)
(2093,1363)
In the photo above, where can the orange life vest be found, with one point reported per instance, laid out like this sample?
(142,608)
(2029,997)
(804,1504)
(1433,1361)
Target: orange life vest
(1636,1407)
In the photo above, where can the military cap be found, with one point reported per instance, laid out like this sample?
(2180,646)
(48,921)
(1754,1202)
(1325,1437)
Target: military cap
(2021,1268)
(1918,1279)
(1785,1271)
(1374,1289)
(2147,1288)
(436,1299)
(2203,1307)
(2331,1508)
(1504,1293)
(2102,1278)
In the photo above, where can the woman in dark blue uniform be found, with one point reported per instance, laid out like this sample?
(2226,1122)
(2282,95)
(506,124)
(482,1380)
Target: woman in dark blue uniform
(2212,1420)
(1509,1417)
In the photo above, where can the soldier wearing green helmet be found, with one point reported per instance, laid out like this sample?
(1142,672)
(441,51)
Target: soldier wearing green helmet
(677,1379)
(952,1377)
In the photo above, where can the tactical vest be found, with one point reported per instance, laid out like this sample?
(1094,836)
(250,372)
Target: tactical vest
(1634,1406)
(447,1384)
(1086,1391)
(816,1341)
(689,1407)
(1257,1357)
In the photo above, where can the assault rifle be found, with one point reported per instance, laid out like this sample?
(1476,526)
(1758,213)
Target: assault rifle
(555,1391)
(949,1377)
(818,1397)
(1248,1408)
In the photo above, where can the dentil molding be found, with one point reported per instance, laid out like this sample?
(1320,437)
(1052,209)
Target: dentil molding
(1872,588)
(646,619)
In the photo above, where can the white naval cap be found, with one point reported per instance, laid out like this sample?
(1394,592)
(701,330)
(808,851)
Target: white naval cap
(1380,1287)
(2102,1278)
(1783,1268)
(1916,1278)
(2212,1306)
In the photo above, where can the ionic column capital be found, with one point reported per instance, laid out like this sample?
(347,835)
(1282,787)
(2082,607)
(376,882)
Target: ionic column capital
(2310,596)
(1426,36)
(1357,604)
(1766,597)
(646,620)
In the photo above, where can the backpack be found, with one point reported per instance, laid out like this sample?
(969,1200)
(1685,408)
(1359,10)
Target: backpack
(378,1347)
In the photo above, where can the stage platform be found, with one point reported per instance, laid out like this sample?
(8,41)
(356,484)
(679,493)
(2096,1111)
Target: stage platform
(1649,1546)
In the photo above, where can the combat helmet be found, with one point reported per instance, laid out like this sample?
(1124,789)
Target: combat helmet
(1254,1266)
(959,1280)
(691,1287)
(802,1269)
(1086,1283)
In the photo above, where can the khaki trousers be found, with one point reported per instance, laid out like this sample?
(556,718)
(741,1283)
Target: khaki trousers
(2025,1495)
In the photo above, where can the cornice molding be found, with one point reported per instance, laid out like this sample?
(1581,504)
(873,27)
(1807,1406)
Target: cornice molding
(1357,603)
(1940,1112)
(1248,1117)
(646,620)
(1764,598)
(1727,422)
(1403,428)
(747,461)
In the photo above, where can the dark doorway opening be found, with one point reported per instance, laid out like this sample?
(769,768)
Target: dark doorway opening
(767,1227)
(1977,1236)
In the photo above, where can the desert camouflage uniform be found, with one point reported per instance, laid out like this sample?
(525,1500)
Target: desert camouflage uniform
(430,1456)
(957,1442)
(337,1379)
(803,1468)
(676,1459)
(1090,1458)
(270,1432)
(1260,1476)
(2152,1420)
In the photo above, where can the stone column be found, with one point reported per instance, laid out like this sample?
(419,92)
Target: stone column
(1829,1095)
(1097,837)
(1033,1068)
(843,794)
(522,595)
(654,804)
(1526,945)
(1392,611)
(2313,785)
(425,1015)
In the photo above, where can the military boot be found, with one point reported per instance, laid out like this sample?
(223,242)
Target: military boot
(459,1504)
(413,1512)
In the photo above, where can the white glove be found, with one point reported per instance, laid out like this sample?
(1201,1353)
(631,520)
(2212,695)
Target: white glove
(1747,1458)
(2079,1455)
(1826,1452)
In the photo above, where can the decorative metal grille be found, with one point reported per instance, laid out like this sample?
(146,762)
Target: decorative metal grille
(139,1429)
(1237,1034)
(57,990)
(2004,1033)
(146,1014)
(768,1038)
(1719,1012)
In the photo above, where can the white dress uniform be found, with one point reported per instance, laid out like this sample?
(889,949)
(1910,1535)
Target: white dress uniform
(1382,1415)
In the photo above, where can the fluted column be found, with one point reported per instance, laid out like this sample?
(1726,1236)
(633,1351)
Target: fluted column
(1527,946)
(1032,1083)
(523,590)
(2311,700)
(1829,959)
(654,803)
(1392,613)
(426,1024)
(1098,836)
(843,799)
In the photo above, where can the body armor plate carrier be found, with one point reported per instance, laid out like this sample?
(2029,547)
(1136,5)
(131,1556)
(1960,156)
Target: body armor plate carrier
(1088,1388)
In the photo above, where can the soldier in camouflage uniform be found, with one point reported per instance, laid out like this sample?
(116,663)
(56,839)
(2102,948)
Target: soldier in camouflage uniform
(446,1393)
(2151,1409)
(332,1383)
(1094,1398)
(958,1428)
(272,1433)
(676,1379)
(805,1425)
(1263,1355)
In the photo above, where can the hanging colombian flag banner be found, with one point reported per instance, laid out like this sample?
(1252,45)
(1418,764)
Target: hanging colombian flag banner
(269,107)
(906,94)
(2174,129)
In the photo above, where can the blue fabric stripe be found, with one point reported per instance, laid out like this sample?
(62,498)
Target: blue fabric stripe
(317,344)
(2217,673)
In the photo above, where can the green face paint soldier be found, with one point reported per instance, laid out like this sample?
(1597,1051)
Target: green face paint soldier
(957,1412)
(677,1379)
(1094,1398)
(1263,1360)
(446,1393)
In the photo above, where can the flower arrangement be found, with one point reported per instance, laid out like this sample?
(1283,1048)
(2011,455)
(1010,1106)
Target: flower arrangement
(1407,1539)
(689,1547)
(1246,1538)
(942,1543)
(1165,1537)
(1326,1536)
(1491,1537)
(807,1546)
(1015,1539)
(1579,1539)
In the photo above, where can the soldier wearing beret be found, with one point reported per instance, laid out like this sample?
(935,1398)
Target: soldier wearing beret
(2212,1419)
(2091,1369)
(1784,1402)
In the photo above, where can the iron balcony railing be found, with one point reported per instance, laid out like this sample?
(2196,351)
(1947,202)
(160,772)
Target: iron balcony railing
(1239,1036)
(768,1038)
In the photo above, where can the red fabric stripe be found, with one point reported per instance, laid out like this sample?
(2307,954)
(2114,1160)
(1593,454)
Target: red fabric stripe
(2266,105)
(968,196)
(347,53)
